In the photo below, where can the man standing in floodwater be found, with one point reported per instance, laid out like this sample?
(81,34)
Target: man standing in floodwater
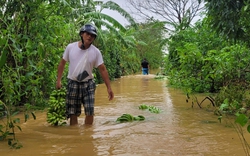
(82,57)
(145,66)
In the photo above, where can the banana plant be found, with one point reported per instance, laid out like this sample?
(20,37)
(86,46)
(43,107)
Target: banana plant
(94,15)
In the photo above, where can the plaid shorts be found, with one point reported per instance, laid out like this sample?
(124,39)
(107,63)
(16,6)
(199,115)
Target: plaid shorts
(79,93)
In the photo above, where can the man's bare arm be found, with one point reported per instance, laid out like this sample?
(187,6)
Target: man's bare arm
(105,77)
(60,70)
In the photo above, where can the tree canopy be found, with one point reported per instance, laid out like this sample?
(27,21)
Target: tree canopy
(178,14)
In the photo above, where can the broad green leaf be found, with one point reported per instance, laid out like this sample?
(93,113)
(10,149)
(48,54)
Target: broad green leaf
(17,120)
(15,113)
(224,106)
(28,44)
(26,117)
(19,128)
(41,50)
(241,119)
(29,74)
(2,42)
(248,128)
(3,58)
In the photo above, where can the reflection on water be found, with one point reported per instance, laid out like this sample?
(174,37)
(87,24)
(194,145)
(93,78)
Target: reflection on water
(178,130)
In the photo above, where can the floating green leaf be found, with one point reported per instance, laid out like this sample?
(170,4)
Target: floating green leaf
(152,109)
(130,118)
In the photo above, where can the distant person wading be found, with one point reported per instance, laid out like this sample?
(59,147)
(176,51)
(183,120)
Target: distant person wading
(145,66)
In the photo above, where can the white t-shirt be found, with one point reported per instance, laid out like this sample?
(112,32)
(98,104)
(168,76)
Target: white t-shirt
(73,54)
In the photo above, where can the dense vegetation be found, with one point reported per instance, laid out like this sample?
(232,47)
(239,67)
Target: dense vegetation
(212,56)
(33,36)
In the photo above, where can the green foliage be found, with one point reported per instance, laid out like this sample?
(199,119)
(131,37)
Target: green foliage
(143,106)
(213,56)
(242,119)
(130,118)
(231,94)
(113,27)
(202,67)
(33,36)
(225,17)
(3,58)
(32,53)
(160,77)
(56,110)
(152,109)
(32,48)
(11,123)
(244,21)
(153,34)
(230,19)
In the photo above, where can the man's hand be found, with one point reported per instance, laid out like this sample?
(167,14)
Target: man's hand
(105,77)
(58,85)
(111,94)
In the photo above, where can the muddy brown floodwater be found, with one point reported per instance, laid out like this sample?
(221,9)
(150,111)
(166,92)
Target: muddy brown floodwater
(179,130)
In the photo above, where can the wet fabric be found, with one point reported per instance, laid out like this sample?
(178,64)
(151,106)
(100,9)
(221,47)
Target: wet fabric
(79,93)
(145,71)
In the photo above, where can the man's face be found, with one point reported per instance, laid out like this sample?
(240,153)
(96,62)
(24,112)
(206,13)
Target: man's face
(88,38)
